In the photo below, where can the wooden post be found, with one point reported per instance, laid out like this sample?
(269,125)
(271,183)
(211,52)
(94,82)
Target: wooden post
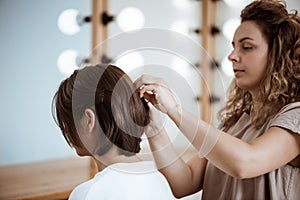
(99,31)
(99,35)
(208,43)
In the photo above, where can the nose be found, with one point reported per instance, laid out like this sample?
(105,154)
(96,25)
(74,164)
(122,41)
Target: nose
(233,56)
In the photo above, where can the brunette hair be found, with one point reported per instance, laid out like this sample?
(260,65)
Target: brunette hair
(281,84)
(109,92)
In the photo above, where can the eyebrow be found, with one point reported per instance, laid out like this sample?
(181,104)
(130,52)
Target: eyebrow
(242,39)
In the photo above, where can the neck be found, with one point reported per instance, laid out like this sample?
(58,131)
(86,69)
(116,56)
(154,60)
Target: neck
(112,157)
(256,93)
(256,98)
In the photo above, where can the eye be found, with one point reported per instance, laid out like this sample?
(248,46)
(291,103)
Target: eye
(247,47)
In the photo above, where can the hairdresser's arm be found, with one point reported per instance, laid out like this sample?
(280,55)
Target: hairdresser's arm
(240,159)
(235,157)
(183,178)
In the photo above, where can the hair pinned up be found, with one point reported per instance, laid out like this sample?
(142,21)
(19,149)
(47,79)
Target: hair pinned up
(121,113)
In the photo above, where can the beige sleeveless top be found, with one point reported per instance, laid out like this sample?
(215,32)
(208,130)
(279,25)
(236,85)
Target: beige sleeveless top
(281,184)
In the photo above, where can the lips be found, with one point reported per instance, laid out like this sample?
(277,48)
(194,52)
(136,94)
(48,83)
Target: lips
(237,72)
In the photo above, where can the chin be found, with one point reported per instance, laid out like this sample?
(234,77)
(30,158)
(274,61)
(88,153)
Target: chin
(242,85)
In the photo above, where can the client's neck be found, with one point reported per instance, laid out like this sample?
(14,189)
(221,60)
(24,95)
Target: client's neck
(113,156)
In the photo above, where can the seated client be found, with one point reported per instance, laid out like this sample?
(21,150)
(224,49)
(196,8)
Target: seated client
(101,115)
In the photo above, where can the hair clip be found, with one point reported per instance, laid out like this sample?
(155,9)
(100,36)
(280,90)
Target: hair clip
(102,95)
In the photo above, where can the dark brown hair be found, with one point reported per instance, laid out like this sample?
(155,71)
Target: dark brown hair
(108,91)
(281,84)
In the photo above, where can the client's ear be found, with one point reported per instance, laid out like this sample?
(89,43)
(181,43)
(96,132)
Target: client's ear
(90,119)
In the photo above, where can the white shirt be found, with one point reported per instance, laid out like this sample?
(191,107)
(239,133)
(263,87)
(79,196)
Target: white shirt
(125,181)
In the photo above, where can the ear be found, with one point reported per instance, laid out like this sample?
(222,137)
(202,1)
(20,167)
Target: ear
(90,119)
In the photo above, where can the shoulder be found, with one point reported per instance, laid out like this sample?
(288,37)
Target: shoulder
(130,181)
(80,192)
(291,106)
(151,184)
(288,118)
(143,175)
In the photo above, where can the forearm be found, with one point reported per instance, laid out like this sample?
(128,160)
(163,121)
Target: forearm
(189,125)
(182,178)
(226,152)
(234,156)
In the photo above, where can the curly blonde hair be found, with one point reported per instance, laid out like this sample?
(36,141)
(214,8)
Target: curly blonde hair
(281,84)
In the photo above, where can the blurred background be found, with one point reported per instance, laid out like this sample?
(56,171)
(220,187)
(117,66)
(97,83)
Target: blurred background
(43,41)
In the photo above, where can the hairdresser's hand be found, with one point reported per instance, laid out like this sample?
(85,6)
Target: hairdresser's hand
(156,124)
(156,91)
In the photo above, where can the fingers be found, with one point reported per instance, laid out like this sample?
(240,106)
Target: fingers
(155,90)
(148,93)
(149,98)
(144,80)
(147,79)
(150,89)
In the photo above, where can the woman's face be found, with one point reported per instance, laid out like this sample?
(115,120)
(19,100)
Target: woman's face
(249,56)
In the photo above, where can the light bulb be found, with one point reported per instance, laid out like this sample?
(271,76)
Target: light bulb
(180,26)
(130,61)
(130,18)
(68,22)
(181,66)
(67,62)
(229,28)
(182,4)
(236,3)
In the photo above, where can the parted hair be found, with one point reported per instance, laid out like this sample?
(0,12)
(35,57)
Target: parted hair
(281,83)
(109,92)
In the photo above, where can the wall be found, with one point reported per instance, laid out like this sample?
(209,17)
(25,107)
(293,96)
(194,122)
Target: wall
(30,44)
